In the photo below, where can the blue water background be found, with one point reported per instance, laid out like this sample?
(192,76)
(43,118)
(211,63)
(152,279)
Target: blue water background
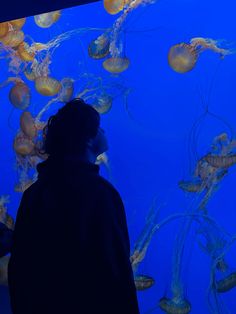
(149,153)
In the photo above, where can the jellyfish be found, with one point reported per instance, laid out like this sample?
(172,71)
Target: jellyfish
(18,23)
(13,38)
(4,28)
(23,145)
(46,20)
(29,72)
(24,182)
(99,48)
(20,95)
(47,86)
(114,6)
(192,186)
(4,199)
(25,52)
(65,91)
(175,306)
(183,57)
(219,161)
(103,104)
(143,282)
(27,124)
(4,270)
(116,64)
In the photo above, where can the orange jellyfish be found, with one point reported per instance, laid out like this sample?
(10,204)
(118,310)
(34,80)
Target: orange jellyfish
(29,73)
(47,86)
(4,28)
(13,38)
(182,57)
(114,6)
(46,20)
(25,52)
(172,306)
(116,65)
(99,48)
(143,282)
(18,23)
(23,145)
(27,124)
(19,95)
(67,89)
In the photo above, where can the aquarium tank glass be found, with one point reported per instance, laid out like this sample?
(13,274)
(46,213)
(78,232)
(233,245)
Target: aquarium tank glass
(162,76)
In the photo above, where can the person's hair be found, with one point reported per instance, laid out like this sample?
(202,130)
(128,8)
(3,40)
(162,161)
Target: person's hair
(68,131)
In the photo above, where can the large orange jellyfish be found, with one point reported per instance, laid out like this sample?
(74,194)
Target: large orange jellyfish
(23,145)
(18,23)
(46,20)
(114,6)
(13,38)
(182,57)
(103,104)
(20,95)
(47,86)
(116,65)
(4,28)
(99,48)
(27,124)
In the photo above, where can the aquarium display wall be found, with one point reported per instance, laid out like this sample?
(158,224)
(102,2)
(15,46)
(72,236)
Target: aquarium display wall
(162,76)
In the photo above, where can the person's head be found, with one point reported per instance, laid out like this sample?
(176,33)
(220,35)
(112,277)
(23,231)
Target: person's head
(74,130)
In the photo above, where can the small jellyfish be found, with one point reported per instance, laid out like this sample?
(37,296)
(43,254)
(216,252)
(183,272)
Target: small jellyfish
(114,6)
(193,186)
(25,52)
(46,20)
(103,104)
(219,161)
(4,28)
(47,86)
(67,89)
(18,23)
(27,124)
(99,48)
(116,65)
(227,283)
(172,306)
(23,145)
(143,282)
(13,38)
(182,57)
(19,95)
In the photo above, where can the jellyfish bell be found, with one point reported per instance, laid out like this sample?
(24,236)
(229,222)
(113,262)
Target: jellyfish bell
(4,28)
(23,145)
(67,89)
(116,65)
(13,38)
(143,282)
(99,48)
(182,58)
(47,86)
(46,20)
(18,23)
(170,306)
(227,283)
(29,72)
(19,95)
(25,52)
(114,6)
(27,124)
(103,104)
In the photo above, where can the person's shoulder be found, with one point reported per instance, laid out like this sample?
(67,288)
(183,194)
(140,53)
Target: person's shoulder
(107,187)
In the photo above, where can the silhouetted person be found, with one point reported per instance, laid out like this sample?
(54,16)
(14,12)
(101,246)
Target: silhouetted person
(71,246)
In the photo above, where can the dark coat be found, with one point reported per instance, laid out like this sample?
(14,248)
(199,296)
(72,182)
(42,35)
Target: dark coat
(71,247)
